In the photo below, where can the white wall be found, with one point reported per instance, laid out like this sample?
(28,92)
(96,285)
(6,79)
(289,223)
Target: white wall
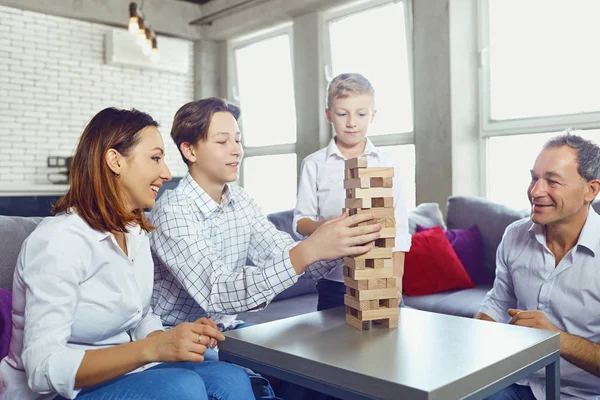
(53,80)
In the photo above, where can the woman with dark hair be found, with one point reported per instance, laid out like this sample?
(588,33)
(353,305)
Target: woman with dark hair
(82,321)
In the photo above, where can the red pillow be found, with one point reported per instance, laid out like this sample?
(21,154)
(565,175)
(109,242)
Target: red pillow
(432,266)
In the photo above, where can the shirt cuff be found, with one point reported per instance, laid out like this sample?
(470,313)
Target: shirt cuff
(149,324)
(62,369)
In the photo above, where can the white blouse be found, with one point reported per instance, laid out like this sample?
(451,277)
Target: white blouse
(74,289)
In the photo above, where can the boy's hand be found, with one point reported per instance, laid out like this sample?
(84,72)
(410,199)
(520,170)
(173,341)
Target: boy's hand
(341,237)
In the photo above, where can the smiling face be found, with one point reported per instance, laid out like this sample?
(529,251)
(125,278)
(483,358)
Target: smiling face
(351,117)
(143,170)
(557,193)
(216,160)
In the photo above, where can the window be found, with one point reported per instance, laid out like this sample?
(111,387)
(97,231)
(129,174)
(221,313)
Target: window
(538,67)
(261,81)
(266,91)
(538,76)
(373,40)
(272,181)
(404,159)
(510,158)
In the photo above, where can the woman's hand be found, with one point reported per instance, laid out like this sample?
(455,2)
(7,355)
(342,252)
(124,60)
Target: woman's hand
(185,342)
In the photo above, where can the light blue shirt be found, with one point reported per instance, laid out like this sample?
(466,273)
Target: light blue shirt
(569,294)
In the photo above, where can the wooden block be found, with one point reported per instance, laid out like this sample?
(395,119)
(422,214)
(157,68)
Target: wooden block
(381,313)
(376,252)
(366,274)
(354,263)
(373,172)
(349,173)
(387,202)
(369,194)
(358,203)
(359,162)
(390,323)
(358,305)
(390,303)
(381,283)
(379,263)
(375,294)
(387,233)
(357,323)
(385,242)
(364,183)
(380,182)
(391,282)
(387,222)
(364,284)
(346,271)
(374,304)
(378,212)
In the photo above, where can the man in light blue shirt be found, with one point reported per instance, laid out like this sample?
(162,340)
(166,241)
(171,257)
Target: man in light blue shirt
(548,268)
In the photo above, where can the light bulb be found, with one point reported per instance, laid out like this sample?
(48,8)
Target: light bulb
(155,57)
(141,37)
(133,25)
(147,48)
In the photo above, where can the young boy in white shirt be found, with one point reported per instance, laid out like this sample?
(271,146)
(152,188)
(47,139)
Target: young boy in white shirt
(351,110)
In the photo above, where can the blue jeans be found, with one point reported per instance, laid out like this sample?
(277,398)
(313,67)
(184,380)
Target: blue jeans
(175,381)
(331,294)
(513,392)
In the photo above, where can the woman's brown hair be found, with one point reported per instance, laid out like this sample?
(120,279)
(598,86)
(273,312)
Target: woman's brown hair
(94,188)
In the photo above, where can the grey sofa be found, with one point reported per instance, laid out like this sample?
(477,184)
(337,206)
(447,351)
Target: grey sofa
(463,213)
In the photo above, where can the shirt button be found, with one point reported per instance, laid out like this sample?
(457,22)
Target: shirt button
(138,311)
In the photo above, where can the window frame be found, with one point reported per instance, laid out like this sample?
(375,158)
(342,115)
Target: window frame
(517,126)
(233,88)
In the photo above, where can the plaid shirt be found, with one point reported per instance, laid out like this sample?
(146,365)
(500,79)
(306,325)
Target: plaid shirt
(200,250)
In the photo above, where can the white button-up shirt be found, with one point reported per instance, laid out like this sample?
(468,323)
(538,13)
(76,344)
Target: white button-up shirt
(569,294)
(74,289)
(200,249)
(321,193)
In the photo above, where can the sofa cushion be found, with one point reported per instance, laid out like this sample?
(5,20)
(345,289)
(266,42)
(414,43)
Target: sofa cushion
(432,266)
(5,321)
(283,221)
(491,219)
(463,303)
(13,231)
(468,247)
(426,214)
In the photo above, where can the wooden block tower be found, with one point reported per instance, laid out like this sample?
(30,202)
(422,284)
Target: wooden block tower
(371,294)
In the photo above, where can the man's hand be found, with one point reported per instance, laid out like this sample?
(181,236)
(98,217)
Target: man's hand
(531,319)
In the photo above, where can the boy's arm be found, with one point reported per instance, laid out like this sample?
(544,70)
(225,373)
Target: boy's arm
(306,212)
(181,245)
(307,226)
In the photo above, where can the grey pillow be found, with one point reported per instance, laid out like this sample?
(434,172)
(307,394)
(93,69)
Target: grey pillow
(426,214)
(283,221)
(491,219)
(13,231)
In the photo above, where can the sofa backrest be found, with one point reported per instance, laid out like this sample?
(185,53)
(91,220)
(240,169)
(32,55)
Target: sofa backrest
(13,232)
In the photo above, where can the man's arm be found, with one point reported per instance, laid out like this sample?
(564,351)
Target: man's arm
(484,316)
(581,352)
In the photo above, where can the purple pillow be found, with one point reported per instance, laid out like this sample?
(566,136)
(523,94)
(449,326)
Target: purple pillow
(468,246)
(5,321)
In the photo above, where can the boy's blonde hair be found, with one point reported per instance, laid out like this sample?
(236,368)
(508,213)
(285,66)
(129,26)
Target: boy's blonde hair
(348,84)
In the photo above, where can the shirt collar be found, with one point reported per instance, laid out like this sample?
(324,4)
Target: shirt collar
(588,237)
(332,149)
(205,203)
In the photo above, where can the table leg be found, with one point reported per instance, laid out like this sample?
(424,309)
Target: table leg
(553,379)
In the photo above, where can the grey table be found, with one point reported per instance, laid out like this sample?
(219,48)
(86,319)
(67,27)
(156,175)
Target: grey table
(429,356)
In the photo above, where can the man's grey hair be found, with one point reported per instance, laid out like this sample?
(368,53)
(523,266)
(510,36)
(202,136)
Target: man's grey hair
(588,153)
